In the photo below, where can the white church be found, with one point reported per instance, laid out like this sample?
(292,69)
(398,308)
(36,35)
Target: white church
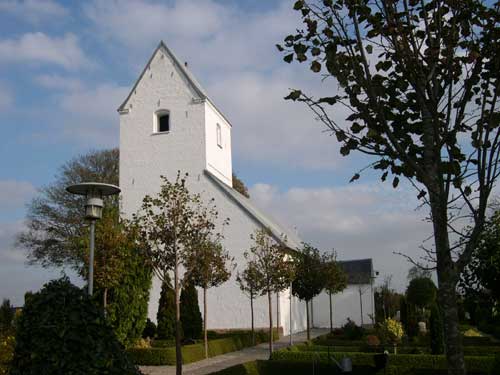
(169,123)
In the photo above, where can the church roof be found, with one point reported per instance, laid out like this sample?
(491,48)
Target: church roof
(292,240)
(198,89)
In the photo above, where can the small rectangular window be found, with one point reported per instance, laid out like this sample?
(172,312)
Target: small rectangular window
(219,136)
(163,122)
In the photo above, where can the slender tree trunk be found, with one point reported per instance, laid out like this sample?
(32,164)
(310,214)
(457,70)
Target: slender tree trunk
(307,318)
(105,301)
(269,299)
(361,306)
(312,312)
(278,314)
(331,313)
(178,349)
(205,321)
(253,327)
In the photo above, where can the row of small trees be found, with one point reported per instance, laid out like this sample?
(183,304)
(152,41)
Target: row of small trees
(272,268)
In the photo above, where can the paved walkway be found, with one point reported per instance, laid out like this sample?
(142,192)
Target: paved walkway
(207,366)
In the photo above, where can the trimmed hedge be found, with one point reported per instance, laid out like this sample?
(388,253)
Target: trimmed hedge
(401,363)
(159,356)
(468,350)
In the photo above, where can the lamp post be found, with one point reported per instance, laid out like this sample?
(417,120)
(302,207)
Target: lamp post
(93,192)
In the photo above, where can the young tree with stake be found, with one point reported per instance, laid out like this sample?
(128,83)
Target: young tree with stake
(168,224)
(272,267)
(249,284)
(309,278)
(420,81)
(335,279)
(209,265)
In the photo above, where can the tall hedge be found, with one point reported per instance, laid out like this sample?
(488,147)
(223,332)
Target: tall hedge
(128,303)
(165,317)
(192,322)
(436,328)
(61,331)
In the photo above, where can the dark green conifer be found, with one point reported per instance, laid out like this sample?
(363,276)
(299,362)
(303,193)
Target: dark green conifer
(166,311)
(192,322)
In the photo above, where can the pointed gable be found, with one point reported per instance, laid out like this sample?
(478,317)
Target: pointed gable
(193,84)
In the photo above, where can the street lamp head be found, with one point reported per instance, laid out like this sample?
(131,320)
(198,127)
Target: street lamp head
(94,192)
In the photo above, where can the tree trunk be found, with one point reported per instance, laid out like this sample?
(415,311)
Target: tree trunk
(178,349)
(205,321)
(331,313)
(361,305)
(253,327)
(270,302)
(105,301)
(447,297)
(307,318)
(278,314)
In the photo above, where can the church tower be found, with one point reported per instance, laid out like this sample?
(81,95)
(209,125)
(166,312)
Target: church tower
(167,124)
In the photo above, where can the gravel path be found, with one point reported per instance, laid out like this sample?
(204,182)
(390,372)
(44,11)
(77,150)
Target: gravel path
(207,366)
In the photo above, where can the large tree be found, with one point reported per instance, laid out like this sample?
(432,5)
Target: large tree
(309,279)
(420,82)
(209,265)
(169,224)
(55,218)
(272,266)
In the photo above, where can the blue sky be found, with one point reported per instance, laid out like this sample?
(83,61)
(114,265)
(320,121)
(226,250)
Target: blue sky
(66,66)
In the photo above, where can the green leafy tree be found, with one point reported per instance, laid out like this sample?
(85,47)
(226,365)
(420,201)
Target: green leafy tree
(209,265)
(419,83)
(55,218)
(6,317)
(273,268)
(240,186)
(309,278)
(436,330)
(250,284)
(165,317)
(62,332)
(335,279)
(421,292)
(169,223)
(192,322)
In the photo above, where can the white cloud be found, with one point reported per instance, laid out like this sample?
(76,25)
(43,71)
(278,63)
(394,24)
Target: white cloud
(15,194)
(359,221)
(54,81)
(90,114)
(33,11)
(6,99)
(41,48)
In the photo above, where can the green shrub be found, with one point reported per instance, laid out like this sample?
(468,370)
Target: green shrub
(166,311)
(163,343)
(6,317)
(149,330)
(6,353)
(400,363)
(192,323)
(165,355)
(352,331)
(477,341)
(62,332)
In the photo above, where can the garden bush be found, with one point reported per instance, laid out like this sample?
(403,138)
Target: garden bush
(6,353)
(398,364)
(234,341)
(149,330)
(166,311)
(61,331)
(352,331)
(192,322)
(436,330)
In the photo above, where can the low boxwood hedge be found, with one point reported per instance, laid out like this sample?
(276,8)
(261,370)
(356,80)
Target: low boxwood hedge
(468,350)
(403,362)
(159,356)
